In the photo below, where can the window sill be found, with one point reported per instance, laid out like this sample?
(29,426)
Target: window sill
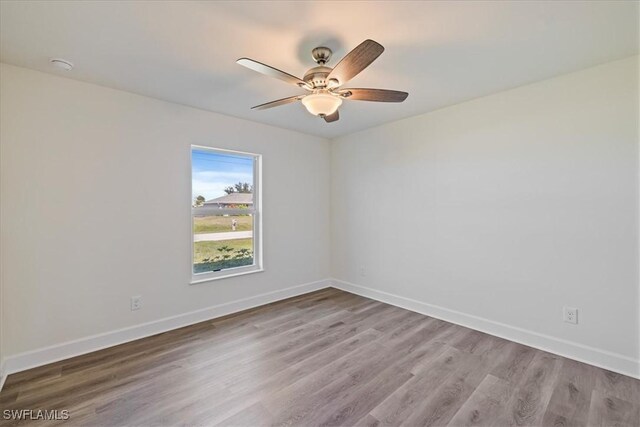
(197,280)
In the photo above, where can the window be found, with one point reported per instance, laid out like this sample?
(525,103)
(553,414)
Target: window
(225,213)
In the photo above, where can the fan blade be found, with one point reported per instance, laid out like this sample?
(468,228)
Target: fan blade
(270,71)
(377,95)
(278,103)
(332,117)
(355,61)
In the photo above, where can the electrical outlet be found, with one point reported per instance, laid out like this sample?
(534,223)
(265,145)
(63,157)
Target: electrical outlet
(362,271)
(136,303)
(570,315)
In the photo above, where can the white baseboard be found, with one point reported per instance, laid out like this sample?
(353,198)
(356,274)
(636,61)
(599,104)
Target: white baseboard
(572,350)
(46,355)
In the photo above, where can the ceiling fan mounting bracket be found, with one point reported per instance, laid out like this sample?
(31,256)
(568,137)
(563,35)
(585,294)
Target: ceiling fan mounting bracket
(321,55)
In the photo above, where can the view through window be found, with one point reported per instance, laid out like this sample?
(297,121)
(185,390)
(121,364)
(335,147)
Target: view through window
(224,212)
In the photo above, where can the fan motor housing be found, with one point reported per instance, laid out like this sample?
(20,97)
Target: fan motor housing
(317,76)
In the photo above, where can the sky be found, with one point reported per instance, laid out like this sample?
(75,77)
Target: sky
(213,172)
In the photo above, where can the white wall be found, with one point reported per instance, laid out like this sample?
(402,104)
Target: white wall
(499,211)
(95,208)
(494,213)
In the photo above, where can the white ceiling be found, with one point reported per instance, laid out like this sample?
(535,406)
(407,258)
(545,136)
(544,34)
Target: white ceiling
(441,53)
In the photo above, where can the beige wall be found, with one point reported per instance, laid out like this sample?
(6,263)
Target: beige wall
(504,209)
(95,208)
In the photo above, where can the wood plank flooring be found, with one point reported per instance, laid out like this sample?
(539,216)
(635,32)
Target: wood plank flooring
(328,358)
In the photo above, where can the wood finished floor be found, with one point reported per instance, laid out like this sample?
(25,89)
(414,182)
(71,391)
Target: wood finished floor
(326,358)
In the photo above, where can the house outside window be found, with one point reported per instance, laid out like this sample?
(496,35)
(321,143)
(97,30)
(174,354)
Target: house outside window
(225,213)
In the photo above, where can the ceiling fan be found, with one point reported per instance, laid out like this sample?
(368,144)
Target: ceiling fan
(325,83)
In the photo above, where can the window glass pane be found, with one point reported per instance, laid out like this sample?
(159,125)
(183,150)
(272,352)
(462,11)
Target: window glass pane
(223,214)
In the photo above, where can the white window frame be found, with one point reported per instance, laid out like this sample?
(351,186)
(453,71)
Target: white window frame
(256,212)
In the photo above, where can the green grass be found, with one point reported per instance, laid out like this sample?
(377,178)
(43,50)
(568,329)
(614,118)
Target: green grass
(218,224)
(209,256)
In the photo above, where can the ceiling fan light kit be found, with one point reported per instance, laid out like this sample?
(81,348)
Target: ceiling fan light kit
(324,82)
(321,103)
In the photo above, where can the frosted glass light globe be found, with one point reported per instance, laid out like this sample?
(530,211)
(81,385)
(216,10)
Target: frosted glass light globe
(321,103)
